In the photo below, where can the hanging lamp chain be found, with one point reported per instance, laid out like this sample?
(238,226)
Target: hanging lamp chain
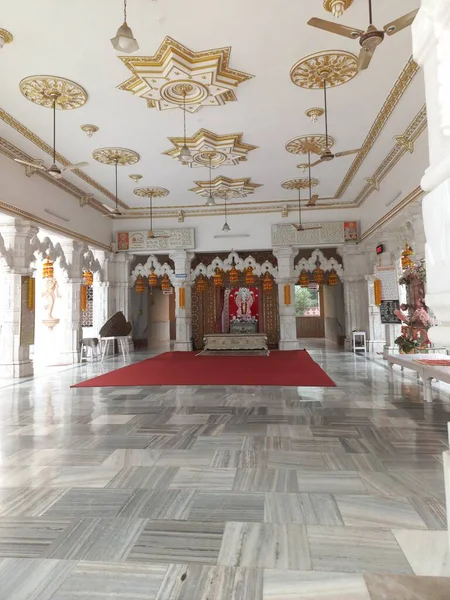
(370,13)
(184,115)
(54,131)
(309,174)
(210,179)
(124,11)
(299,206)
(151,212)
(326,111)
(115,170)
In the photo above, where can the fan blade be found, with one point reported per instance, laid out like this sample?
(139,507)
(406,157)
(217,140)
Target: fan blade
(309,147)
(311,228)
(76,166)
(111,210)
(347,153)
(313,200)
(314,164)
(297,227)
(349,32)
(30,164)
(400,23)
(365,56)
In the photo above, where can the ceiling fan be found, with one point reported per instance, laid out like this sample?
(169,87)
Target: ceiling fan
(114,211)
(54,171)
(327,156)
(151,234)
(313,198)
(369,39)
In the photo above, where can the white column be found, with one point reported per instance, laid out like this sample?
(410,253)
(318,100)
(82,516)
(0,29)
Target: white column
(288,322)
(431,45)
(15,262)
(101,291)
(120,283)
(183,316)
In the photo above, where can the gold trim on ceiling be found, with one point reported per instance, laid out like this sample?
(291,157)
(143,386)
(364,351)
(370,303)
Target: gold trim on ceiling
(6,35)
(151,192)
(89,129)
(406,76)
(297,144)
(299,183)
(176,75)
(314,113)
(408,138)
(39,89)
(336,66)
(229,148)
(123,157)
(224,186)
(328,4)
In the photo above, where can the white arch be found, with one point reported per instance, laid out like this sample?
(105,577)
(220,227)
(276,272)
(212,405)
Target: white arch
(144,270)
(309,264)
(241,264)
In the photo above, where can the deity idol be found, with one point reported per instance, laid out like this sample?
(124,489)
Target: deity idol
(244,300)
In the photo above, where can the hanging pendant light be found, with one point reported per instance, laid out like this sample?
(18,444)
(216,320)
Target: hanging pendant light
(267,282)
(88,278)
(185,155)
(165,283)
(124,40)
(210,201)
(233,273)
(218,278)
(152,278)
(333,278)
(303,279)
(249,277)
(140,287)
(200,284)
(226,227)
(47,269)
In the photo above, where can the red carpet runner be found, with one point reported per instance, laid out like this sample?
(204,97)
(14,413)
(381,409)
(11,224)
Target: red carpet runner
(292,368)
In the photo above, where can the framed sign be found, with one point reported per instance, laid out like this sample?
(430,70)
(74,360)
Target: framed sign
(387,309)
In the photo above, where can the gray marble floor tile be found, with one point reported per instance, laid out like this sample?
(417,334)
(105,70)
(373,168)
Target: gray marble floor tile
(68,477)
(305,461)
(204,479)
(143,477)
(240,459)
(265,480)
(313,585)
(185,458)
(377,511)
(355,550)
(178,542)
(431,510)
(309,509)
(30,502)
(23,537)
(31,457)
(104,581)
(298,432)
(346,482)
(159,504)
(112,419)
(224,506)
(186,582)
(105,540)
(131,458)
(339,461)
(90,502)
(427,552)
(265,545)
(32,579)
(406,587)
(80,458)
(223,442)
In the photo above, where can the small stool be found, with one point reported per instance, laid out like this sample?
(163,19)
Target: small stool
(88,349)
(359,341)
(122,342)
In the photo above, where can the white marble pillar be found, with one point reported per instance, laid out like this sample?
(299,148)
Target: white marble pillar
(286,277)
(183,315)
(102,288)
(15,261)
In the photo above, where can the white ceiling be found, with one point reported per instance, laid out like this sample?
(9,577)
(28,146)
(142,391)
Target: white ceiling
(71,40)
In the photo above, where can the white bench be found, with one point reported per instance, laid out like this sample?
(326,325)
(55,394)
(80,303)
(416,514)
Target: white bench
(426,372)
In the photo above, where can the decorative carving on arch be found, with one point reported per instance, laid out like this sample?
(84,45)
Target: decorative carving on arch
(40,249)
(6,256)
(241,264)
(144,270)
(327,264)
(90,263)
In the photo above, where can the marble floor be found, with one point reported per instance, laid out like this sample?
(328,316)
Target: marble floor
(224,493)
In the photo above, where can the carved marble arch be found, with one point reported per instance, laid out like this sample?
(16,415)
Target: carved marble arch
(6,256)
(90,263)
(144,270)
(40,249)
(241,264)
(327,264)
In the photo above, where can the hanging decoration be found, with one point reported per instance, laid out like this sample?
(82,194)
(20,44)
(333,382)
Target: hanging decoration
(165,283)
(406,260)
(303,279)
(218,278)
(333,278)
(47,269)
(267,282)
(88,277)
(318,275)
(140,287)
(152,278)
(181,297)
(83,298)
(287,294)
(249,277)
(31,293)
(233,274)
(200,284)
(377,292)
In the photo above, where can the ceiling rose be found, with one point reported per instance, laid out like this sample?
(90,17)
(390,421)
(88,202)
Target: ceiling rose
(40,88)
(151,192)
(299,183)
(336,66)
(5,37)
(222,187)
(297,144)
(175,72)
(337,7)
(226,149)
(111,156)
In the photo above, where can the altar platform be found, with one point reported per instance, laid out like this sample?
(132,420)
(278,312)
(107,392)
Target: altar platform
(236,342)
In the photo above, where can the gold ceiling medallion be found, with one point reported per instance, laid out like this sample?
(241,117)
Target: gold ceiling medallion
(337,7)
(135,177)
(176,73)
(299,183)
(40,89)
(228,149)
(336,66)
(5,37)
(89,130)
(111,156)
(223,187)
(299,145)
(151,192)
(314,113)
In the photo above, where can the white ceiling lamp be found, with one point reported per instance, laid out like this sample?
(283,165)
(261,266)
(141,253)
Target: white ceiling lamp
(337,7)
(226,227)
(124,40)
(210,201)
(185,155)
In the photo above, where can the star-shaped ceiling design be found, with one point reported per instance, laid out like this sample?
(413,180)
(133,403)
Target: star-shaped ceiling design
(228,149)
(176,74)
(223,187)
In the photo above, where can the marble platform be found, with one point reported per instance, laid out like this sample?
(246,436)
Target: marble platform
(224,493)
